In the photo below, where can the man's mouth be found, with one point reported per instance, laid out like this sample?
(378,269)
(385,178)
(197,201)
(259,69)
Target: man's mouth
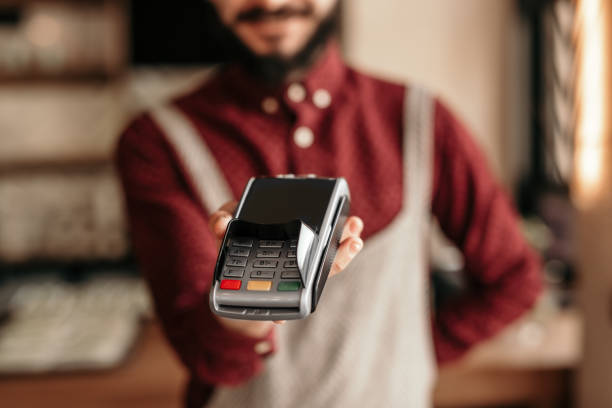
(259,14)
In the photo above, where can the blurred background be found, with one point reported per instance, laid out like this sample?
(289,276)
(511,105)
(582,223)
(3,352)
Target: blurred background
(529,77)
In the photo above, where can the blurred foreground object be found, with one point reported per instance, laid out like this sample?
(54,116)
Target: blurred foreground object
(592,195)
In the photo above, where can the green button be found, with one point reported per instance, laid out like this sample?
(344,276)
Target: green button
(288,286)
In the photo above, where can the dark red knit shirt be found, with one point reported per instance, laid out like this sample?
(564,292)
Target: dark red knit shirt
(356,125)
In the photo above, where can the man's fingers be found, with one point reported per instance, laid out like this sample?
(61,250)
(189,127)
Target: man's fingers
(346,252)
(230,206)
(220,218)
(218,223)
(352,227)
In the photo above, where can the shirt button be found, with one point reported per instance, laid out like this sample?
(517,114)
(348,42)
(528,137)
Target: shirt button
(321,98)
(303,137)
(296,93)
(263,347)
(269,105)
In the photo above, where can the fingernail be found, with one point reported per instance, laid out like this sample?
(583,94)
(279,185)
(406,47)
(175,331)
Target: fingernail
(355,247)
(355,227)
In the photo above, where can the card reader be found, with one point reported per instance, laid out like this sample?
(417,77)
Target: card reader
(279,247)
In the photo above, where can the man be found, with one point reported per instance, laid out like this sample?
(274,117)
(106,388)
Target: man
(287,103)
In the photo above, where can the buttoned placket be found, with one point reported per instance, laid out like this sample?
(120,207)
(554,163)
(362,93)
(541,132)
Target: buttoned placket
(309,105)
(302,134)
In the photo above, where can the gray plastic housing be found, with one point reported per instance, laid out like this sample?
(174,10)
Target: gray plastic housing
(316,249)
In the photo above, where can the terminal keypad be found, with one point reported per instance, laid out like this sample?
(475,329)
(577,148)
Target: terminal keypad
(261,265)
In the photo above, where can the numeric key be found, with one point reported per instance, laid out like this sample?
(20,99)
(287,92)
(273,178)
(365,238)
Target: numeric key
(262,274)
(268,253)
(239,251)
(236,262)
(270,244)
(233,273)
(265,263)
(242,242)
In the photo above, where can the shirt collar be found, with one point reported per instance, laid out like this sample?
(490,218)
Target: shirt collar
(327,73)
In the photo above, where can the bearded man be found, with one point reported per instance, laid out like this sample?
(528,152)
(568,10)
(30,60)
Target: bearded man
(286,103)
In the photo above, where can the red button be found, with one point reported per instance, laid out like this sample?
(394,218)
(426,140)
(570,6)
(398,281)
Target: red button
(231,284)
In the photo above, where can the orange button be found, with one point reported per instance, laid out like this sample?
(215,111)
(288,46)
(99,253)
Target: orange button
(263,286)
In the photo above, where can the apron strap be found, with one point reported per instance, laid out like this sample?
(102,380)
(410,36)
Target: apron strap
(418,150)
(198,161)
(418,183)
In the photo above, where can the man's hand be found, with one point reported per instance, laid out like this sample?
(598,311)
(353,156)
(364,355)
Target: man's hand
(350,245)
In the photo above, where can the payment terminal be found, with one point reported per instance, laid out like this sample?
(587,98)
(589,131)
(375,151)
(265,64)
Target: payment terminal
(279,247)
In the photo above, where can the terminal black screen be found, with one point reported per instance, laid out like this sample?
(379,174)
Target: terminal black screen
(277,200)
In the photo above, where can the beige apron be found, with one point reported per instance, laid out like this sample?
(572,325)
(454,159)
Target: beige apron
(369,342)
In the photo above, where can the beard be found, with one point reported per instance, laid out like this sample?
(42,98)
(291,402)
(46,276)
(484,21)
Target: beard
(274,69)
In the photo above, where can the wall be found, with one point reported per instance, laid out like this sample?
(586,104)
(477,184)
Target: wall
(465,50)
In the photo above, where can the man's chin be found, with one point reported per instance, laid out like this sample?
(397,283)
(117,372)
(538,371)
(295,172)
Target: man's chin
(272,68)
(276,48)
(280,56)
(273,64)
